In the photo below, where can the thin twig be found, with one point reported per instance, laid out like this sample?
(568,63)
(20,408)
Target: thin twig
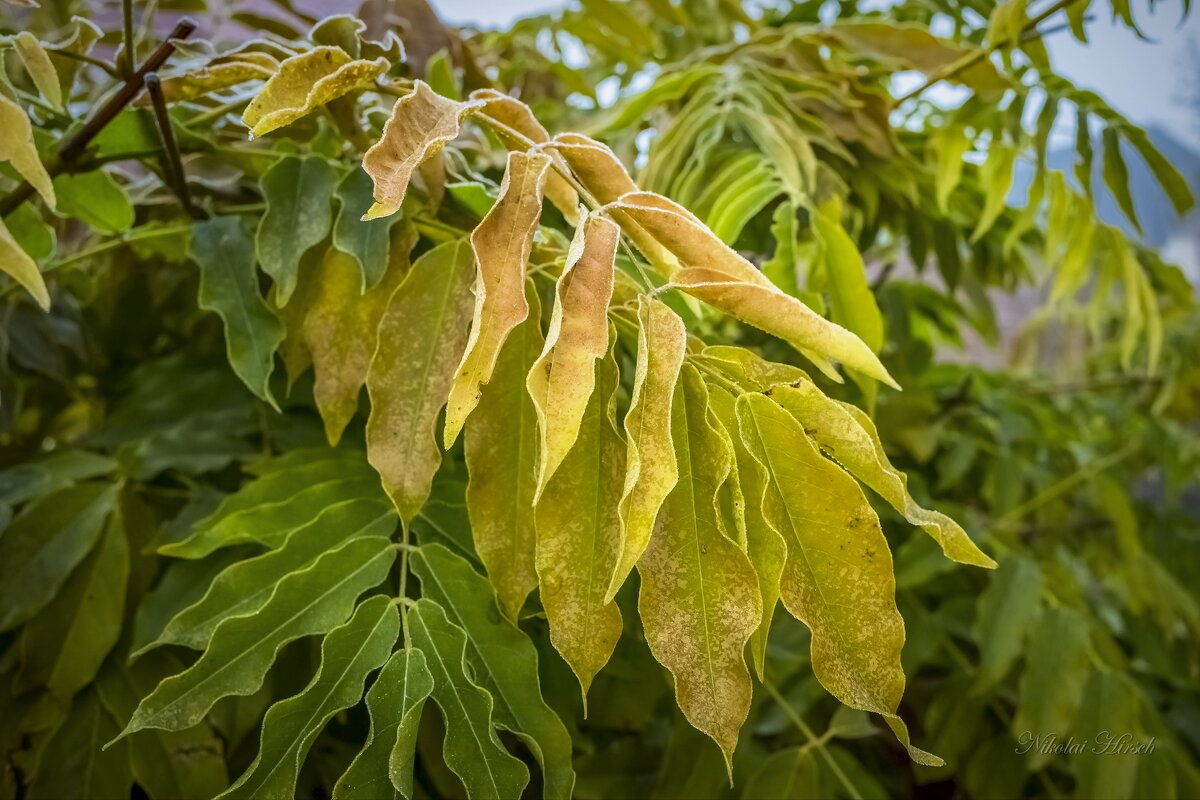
(74,147)
(172,162)
(128,38)
(86,59)
(973,58)
(813,739)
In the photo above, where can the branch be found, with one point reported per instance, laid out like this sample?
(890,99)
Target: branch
(172,162)
(973,58)
(75,146)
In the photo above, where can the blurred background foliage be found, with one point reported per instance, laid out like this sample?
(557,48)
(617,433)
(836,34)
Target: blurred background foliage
(799,133)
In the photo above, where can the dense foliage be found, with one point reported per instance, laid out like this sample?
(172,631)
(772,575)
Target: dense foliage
(605,431)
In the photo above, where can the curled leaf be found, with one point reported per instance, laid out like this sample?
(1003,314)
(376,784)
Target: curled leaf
(422,122)
(501,243)
(651,471)
(516,126)
(306,82)
(563,377)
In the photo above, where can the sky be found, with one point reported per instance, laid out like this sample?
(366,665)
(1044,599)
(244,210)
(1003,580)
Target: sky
(1149,81)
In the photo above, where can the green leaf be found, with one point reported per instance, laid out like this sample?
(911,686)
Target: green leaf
(950,144)
(1169,178)
(504,659)
(63,646)
(996,175)
(794,773)
(651,470)
(96,198)
(699,598)
(73,765)
(472,749)
(853,305)
(168,765)
(245,587)
(18,264)
(1007,611)
(181,584)
(298,192)
(224,251)
(44,544)
(838,576)
(579,536)
(1057,664)
(1110,711)
(367,242)
(501,455)
(382,770)
(348,655)
(242,649)
(17,147)
(289,492)
(37,63)
(1116,175)
(31,232)
(421,340)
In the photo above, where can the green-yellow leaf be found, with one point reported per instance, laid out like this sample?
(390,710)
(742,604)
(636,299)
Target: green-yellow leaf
(472,749)
(996,175)
(1005,614)
(501,453)
(563,378)
(40,68)
(421,339)
(24,270)
(73,766)
(340,330)
(501,243)
(651,471)
(224,251)
(306,82)
(422,122)
(699,600)
(579,534)
(1057,665)
(382,770)
(854,304)
(838,576)
(298,192)
(846,433)
(17,147)
(949,145)
(349,654)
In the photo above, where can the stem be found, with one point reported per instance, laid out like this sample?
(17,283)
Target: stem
(128,38)
(973,58)
(1066,484)
(403,592)
(813,740)
(172,162)
(74,147)
(86,59)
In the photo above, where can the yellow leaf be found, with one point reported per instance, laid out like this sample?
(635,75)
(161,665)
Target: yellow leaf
(340,333)
(422,122)
(605,178)
(38,65)
(563,377)
(699,600)
(578,535)
(838,576)
(717,274)
(516,126)
(305,82)
(501,453)
(17,263)
(848,435)
(502,243)
(16,146)
(421,339)
(651,471)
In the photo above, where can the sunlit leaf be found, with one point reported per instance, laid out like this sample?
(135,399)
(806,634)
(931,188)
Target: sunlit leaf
(501,243)
(37,63)
(16,147)
(23,269)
